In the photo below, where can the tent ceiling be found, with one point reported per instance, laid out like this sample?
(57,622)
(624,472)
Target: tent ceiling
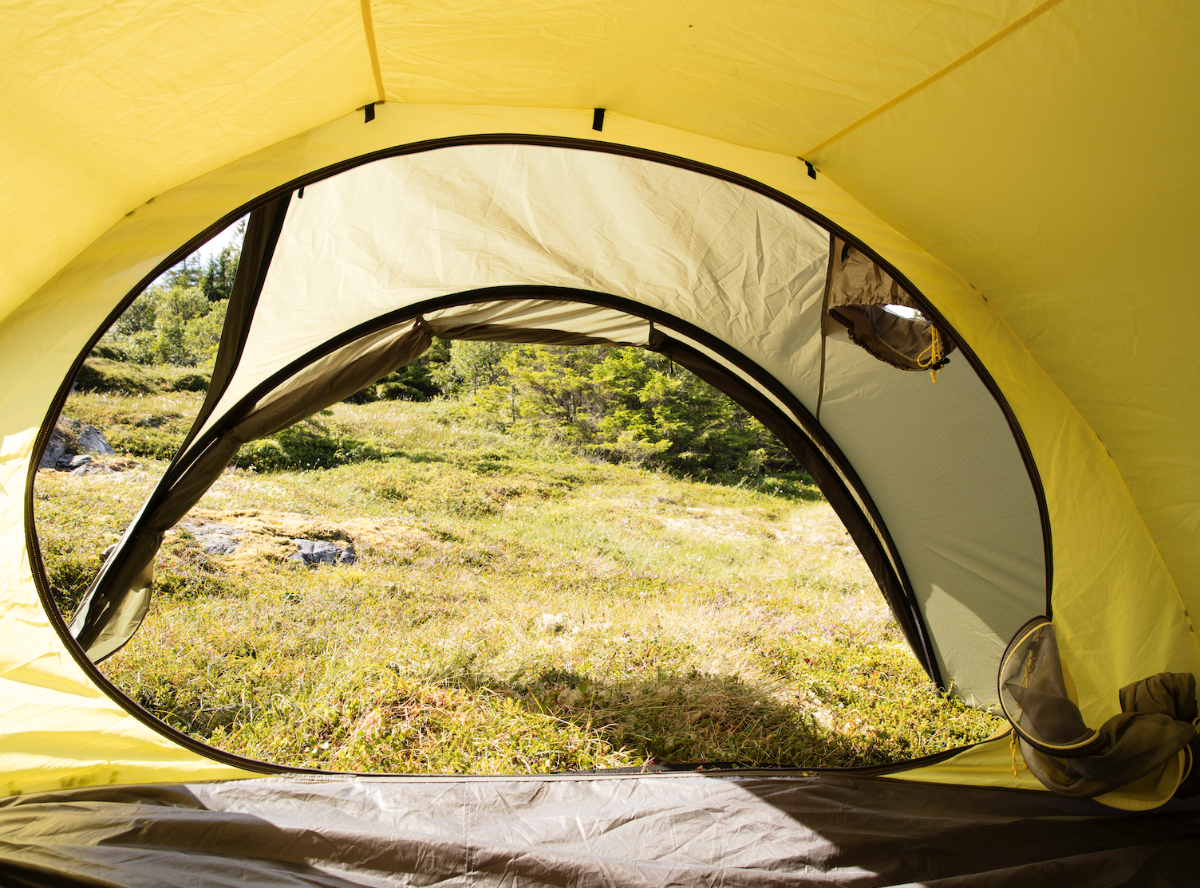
(1085,107)
(158,94)
(1058,174)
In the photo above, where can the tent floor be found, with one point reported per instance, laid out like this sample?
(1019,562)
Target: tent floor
(664,830)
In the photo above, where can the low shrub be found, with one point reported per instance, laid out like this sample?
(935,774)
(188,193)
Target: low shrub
(307,445)
(167,324)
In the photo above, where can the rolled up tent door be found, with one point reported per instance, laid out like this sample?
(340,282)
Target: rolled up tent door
(119,598)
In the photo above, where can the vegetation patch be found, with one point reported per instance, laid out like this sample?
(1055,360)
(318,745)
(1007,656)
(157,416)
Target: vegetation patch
(78,517)
(309,444)
(144,425)
(121,377)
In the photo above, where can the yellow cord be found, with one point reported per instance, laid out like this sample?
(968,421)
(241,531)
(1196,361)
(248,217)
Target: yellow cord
(1012,746)
(935,355)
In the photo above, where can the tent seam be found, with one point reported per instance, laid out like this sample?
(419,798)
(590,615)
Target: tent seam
(932,78)
(372,49)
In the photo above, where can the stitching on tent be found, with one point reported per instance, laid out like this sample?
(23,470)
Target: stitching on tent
(369,32)
(933,78)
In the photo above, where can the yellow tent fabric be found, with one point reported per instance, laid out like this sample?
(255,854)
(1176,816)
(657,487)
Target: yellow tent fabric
(1030,167)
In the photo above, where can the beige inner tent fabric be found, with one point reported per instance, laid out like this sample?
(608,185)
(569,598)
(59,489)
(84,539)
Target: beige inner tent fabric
(1029,167)
(390,234)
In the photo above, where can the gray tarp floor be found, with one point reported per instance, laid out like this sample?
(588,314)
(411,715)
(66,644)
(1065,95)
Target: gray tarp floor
(668,830)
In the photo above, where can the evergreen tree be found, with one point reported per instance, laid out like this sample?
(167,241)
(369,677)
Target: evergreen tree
(619,404)
(217,281)
(186,274)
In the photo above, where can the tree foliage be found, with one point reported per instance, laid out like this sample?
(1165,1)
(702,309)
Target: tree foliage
(173,325)
(415,381)
(177,320)
(618,404)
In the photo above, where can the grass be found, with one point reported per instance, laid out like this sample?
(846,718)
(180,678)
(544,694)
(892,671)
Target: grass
(105,375)
(143,424)
(515,608)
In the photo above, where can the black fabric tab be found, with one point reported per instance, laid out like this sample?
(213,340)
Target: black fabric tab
(300,193)
(598,120)
(369,112)
(812,171)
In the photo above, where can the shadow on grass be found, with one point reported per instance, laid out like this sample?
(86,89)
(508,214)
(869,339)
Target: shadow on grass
(692,719)
(792,486)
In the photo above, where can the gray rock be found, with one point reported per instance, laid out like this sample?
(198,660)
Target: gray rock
(55,450)
(218,544)
(91,439)
(69,439)
(214,538)
(76,461)
(207,527)
(314,553)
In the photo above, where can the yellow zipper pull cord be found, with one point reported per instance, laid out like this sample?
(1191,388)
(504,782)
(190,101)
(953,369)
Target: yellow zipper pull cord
(935,355)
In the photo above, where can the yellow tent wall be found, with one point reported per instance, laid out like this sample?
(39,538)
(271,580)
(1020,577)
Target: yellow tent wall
(1033,182)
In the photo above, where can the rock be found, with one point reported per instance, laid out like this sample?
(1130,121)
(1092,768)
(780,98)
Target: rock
(91,439)
(215,539)
(218,544)
(76,461)
(317,552)
(69,438)
(55,450)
